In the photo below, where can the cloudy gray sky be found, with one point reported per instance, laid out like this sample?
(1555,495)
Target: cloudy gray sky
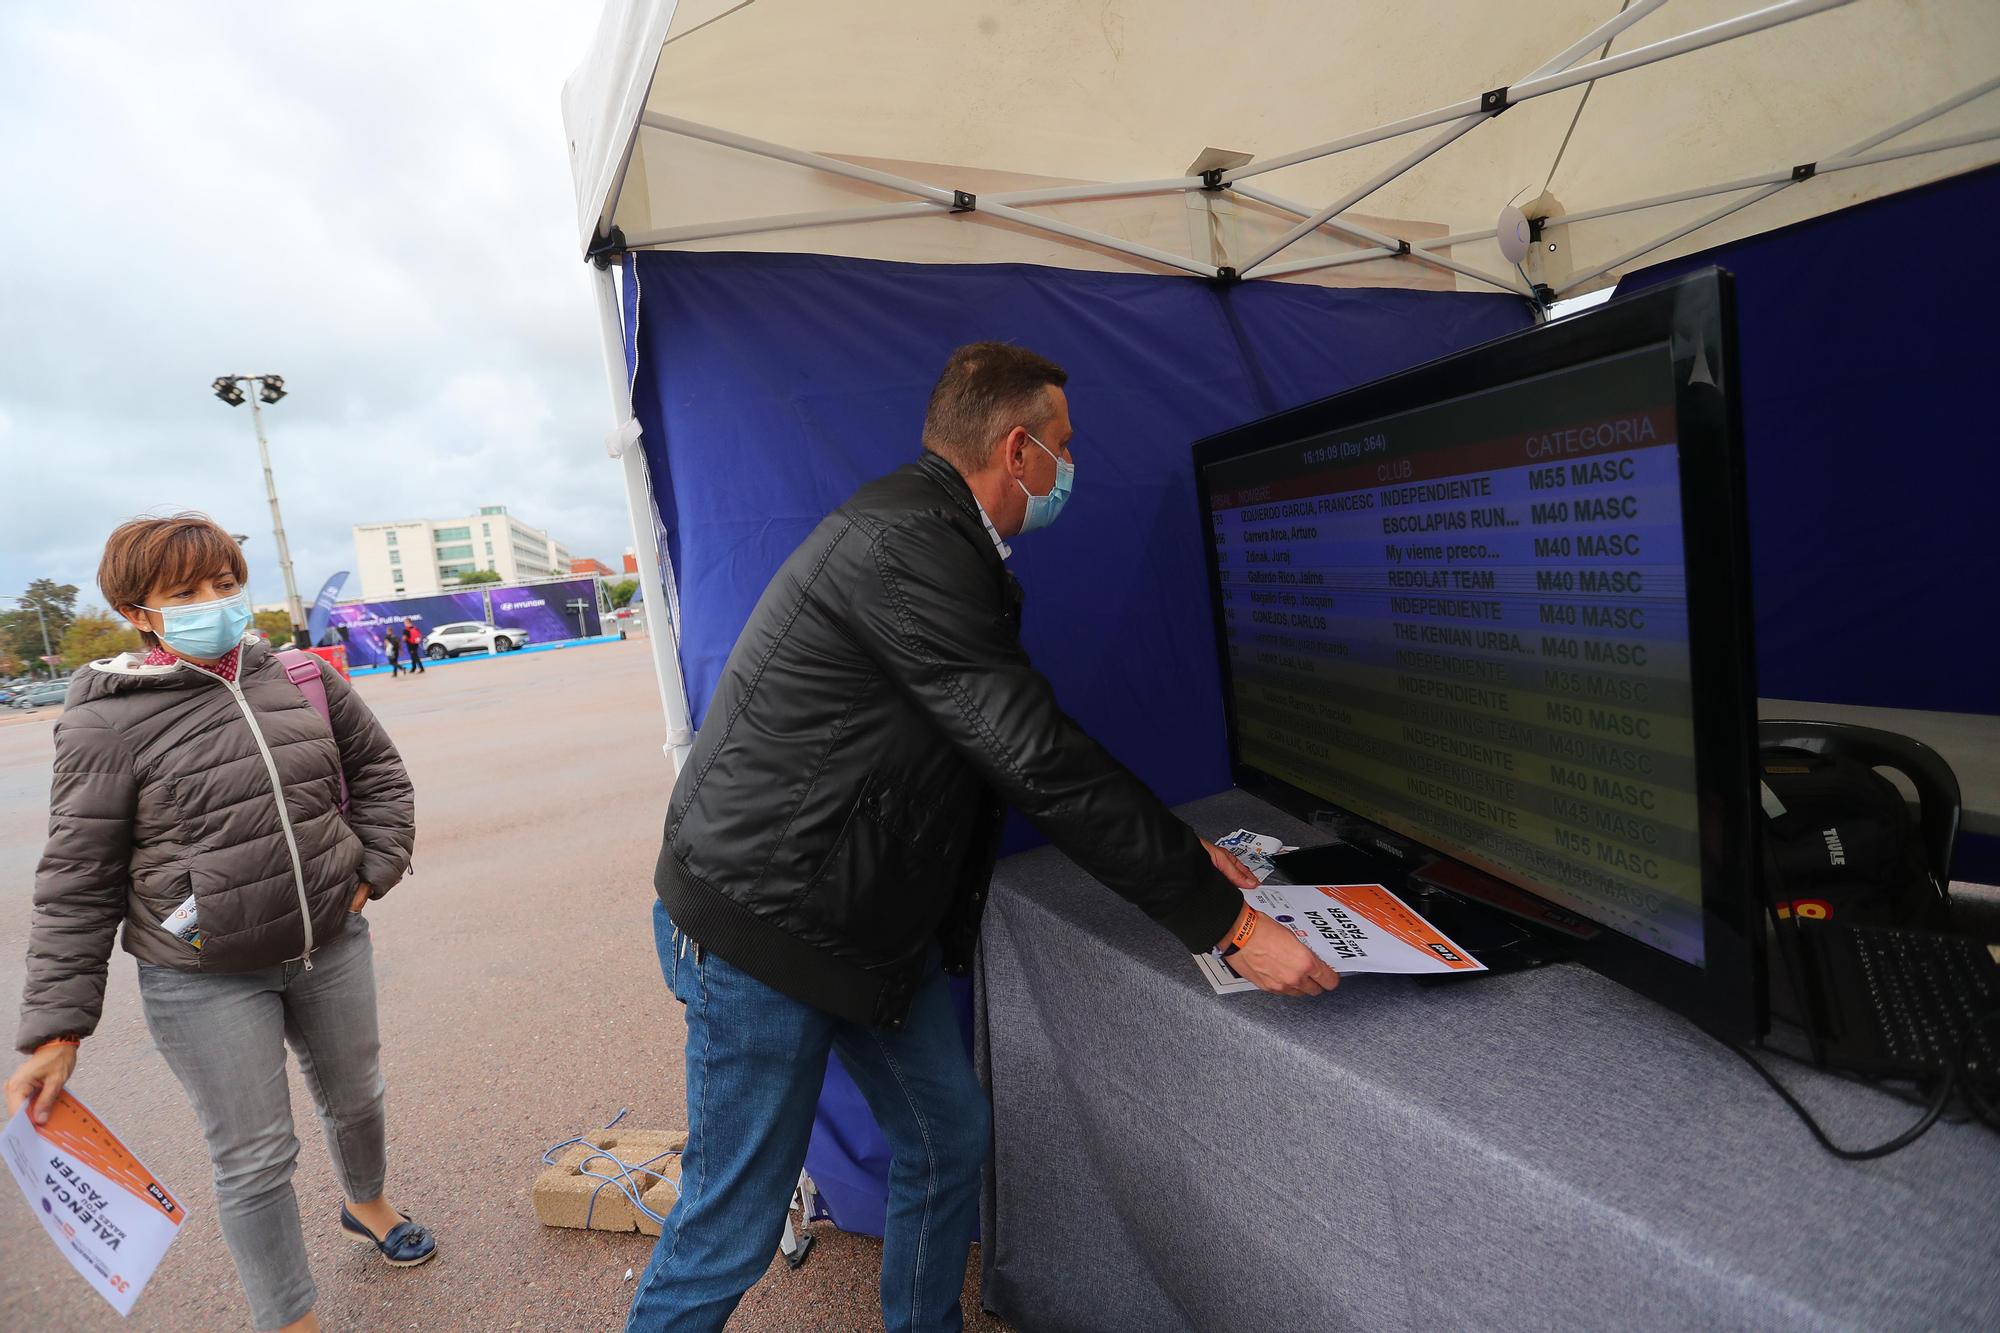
(369,199)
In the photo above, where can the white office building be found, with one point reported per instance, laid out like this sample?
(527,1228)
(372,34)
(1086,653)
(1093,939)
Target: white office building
(426,555)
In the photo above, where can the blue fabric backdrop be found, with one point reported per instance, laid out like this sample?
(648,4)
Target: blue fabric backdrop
(1867,358)
(771,386)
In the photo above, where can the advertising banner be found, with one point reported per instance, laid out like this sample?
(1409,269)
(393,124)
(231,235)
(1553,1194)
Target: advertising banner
(359,626)
(550,612)
(322,607)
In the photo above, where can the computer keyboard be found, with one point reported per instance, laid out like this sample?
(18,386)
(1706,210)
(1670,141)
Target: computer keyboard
(1935,998)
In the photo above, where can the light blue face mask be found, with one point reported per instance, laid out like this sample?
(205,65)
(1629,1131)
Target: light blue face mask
(1043,509)
(204,630)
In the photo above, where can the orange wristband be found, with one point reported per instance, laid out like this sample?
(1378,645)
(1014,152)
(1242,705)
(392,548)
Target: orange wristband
(1244,931)
(58,1041)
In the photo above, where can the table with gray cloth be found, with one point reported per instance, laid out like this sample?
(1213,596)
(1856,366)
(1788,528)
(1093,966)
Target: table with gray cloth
(1537,1150)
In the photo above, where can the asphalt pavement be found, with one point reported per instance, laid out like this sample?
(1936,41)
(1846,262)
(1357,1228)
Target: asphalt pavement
(521,1004)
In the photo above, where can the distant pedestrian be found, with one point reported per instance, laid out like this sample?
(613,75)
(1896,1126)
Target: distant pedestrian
(414,638)
(392,644)
(196,763)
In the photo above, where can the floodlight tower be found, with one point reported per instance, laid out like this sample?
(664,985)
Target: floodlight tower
(269,389)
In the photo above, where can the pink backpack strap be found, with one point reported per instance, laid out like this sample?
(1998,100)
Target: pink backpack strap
(302,669)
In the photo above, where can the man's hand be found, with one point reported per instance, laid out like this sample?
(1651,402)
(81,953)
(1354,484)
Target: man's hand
(1277,961)
(360,898)
(41,1076)
(1237,873)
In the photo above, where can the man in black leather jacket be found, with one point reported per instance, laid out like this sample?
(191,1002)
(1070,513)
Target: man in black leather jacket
(831,836)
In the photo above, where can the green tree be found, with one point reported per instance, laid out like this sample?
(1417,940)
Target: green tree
(472,578)
(21,628)
(277,627)
(622,592)
(96,634)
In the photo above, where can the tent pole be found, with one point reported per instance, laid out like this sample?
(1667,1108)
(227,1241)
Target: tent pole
(796,156)
(1456,238)
(832,217)
(1784,175)
(1315,221)
(1832,162)
(1327,261)
(1569,55)
(1541,86)
(1063,194)
(1359,232)
(1730,187)
(1108,241)
(661,631)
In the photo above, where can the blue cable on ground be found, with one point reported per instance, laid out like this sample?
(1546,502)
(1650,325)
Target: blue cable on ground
(627,1186)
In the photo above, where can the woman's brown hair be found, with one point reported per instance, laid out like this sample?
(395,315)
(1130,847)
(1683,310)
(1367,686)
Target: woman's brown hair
(148,553)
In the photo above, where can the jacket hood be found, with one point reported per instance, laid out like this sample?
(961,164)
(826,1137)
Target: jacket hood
(128,671)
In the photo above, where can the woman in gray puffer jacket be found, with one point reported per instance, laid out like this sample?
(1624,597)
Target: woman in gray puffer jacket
(201,799)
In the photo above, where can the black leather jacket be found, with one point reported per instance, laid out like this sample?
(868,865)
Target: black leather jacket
(842,805)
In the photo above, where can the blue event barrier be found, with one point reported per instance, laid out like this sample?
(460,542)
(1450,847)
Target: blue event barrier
(770,386)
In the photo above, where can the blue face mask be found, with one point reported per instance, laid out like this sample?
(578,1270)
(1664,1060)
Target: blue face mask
(204,630)
(1043,509)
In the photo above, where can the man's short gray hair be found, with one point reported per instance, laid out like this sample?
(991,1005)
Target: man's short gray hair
(986,390)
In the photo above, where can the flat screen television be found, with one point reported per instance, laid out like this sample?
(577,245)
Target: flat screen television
(1495,609)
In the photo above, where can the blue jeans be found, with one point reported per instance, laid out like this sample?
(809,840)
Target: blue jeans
(755,1061)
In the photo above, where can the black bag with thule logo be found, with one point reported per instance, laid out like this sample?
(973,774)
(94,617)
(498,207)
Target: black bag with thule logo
(1840,844)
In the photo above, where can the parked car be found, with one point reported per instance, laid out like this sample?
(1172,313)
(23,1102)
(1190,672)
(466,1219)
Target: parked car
(472,636)
(49,692)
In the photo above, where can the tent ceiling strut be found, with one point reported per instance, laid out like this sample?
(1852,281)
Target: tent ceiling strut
(1554,82)
(1600,35)
(797,157)
(1360,232)
(1840,161)
(1553,75)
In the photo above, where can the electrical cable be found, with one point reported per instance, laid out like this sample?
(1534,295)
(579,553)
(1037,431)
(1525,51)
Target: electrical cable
(1917,1095)
(1987,1113)
(1588,88)
(631,1189)
(1901,1141)
(1933,1109)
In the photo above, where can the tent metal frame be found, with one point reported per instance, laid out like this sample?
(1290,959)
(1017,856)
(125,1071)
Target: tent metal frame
(1560,72)
(662,616)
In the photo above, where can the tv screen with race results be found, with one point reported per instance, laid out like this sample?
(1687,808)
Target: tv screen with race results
(1467,622)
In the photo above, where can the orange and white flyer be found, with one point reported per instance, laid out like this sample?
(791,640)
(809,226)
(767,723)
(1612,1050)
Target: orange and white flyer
(1353,928)
(1362,928)
(106,1213)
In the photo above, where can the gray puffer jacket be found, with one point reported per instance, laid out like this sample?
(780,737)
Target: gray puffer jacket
(170,781)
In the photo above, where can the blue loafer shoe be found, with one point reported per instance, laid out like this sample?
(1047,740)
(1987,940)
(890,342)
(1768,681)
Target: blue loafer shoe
(406,1245)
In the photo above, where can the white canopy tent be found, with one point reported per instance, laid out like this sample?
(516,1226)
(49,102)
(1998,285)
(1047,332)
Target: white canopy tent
(1238,141)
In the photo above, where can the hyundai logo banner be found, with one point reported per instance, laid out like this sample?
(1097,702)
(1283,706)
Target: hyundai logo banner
(359,626)
(549,611)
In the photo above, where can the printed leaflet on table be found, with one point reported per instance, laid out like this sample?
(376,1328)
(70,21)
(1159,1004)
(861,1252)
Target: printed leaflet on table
(1353,928)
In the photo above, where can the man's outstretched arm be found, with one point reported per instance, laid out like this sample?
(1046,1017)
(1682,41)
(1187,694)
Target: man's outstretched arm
(957,658)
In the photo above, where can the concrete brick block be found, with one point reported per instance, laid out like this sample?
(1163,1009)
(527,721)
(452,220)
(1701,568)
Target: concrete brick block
(565,1198)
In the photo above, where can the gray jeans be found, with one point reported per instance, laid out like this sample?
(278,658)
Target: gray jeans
(224,1036)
